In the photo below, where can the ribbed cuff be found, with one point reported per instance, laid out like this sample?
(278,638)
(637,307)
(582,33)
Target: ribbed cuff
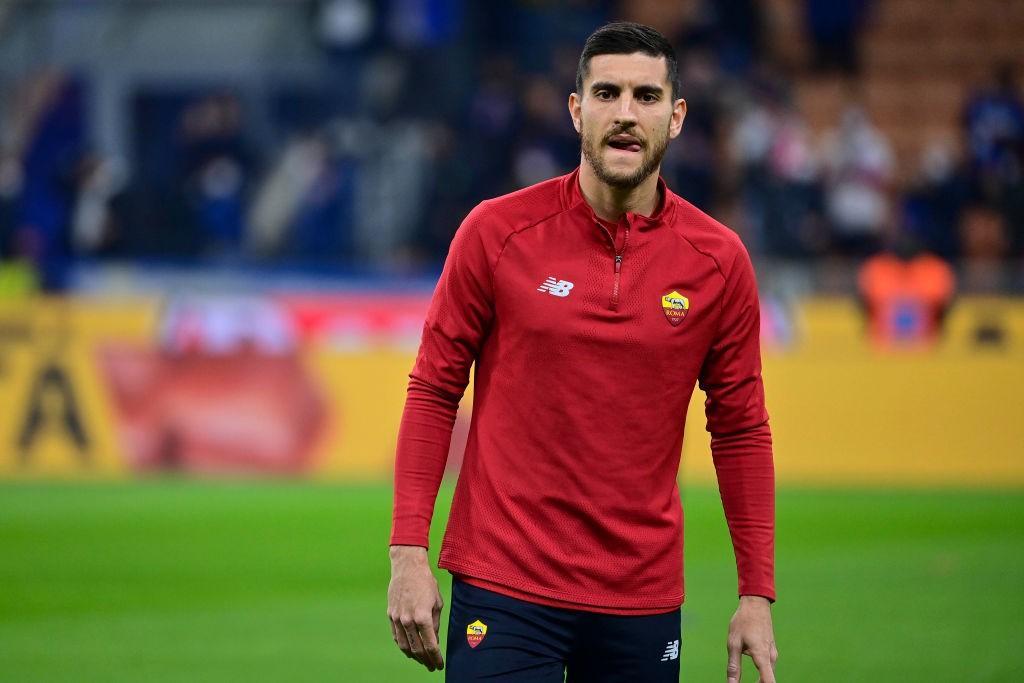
(397,539)
(761,591)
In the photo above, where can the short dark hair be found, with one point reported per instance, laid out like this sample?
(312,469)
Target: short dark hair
(625,38)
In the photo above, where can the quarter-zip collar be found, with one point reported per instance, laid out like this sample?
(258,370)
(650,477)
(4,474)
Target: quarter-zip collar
(573,199)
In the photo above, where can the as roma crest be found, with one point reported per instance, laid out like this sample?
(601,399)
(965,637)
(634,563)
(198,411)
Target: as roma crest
(675,306)
(475,632)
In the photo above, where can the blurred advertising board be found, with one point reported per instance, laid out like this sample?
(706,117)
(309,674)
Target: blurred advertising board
(847,412)
(208,385)
(313,386)
(56,418)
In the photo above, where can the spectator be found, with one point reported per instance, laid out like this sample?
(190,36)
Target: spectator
(751,144)
(450,187)
(1012,206)
(216,167)
(795,222)
(994,128)
(985,237)
(493,119)
(692,167)
(304,209)
(994,123)
(860,169)
(781,188)
(547,145)
(906,294)
(97,207)
(934,200)
(12,181)
(393,171)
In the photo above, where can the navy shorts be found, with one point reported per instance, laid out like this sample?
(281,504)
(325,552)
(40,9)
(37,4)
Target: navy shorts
(493,637)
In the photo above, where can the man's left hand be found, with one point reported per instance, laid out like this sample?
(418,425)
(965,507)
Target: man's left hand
(751,634)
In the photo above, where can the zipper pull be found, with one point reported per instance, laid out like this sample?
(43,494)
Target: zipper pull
(618,263)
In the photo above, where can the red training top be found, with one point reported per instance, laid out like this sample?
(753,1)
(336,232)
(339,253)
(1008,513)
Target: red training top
(587,345)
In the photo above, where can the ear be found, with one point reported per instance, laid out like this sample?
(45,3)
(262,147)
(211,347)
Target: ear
(676,122)
(576,111)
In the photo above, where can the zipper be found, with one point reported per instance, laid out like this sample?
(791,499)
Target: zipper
(619,264)
(615,283)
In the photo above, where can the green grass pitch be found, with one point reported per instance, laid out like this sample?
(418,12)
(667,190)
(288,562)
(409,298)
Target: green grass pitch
(182,581)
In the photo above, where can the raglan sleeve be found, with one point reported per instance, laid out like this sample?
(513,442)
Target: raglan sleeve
(458,320)
(741,440)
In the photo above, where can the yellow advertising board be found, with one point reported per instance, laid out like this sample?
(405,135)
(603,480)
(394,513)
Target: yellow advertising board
(845,413)
(56,420)
(102,389)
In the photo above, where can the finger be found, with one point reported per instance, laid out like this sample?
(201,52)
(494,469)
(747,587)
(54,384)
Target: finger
(437,633)
(398,633)
(415,646)
(438,606)
(764,667)
(407,634)
(733,669)
(431,648)
(774,655)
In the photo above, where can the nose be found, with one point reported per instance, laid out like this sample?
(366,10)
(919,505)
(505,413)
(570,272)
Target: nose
(626,112)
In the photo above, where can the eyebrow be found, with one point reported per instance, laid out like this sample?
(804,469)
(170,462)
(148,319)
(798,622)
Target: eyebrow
(649,89)
(640,89)
(604,85)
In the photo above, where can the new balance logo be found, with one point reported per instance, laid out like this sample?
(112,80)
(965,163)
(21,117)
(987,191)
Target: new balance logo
(556,287)
(671,651)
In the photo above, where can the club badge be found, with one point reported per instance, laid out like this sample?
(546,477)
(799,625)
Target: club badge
(675,306)
(475,632)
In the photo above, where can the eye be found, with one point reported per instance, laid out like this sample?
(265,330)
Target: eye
(603,95)
(648,98)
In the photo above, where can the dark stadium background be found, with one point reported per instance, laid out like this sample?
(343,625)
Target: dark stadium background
(220,223)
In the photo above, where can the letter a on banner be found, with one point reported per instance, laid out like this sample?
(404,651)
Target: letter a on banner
(52,404)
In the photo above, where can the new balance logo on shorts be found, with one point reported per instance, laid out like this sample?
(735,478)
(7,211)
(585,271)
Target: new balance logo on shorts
(671,651)
(556,287)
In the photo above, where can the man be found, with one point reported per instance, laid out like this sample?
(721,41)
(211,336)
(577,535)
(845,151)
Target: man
(591,304)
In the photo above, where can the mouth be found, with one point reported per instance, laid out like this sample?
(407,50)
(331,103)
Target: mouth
(625,143)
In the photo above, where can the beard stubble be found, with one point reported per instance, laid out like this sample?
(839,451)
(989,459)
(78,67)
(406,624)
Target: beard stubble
(653,151)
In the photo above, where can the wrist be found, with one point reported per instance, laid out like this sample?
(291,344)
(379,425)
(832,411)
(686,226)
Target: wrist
(758,600)
(407,554)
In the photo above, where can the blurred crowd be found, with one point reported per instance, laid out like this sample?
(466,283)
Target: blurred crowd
(429,106)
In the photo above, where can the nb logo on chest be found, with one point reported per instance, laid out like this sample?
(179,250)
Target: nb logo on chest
(556,287)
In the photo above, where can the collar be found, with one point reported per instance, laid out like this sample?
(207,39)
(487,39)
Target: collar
(573,199)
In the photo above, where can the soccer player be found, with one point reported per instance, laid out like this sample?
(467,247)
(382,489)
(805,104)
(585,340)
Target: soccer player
(591,305)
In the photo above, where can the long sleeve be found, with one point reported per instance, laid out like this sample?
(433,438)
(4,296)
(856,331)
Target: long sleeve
(457,322)
(741,443)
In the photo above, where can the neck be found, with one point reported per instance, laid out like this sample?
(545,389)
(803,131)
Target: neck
(610,203)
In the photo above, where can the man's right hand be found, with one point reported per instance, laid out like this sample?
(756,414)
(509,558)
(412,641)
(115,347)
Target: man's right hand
(414,606)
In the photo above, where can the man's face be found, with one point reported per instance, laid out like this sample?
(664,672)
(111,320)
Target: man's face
(625,117)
